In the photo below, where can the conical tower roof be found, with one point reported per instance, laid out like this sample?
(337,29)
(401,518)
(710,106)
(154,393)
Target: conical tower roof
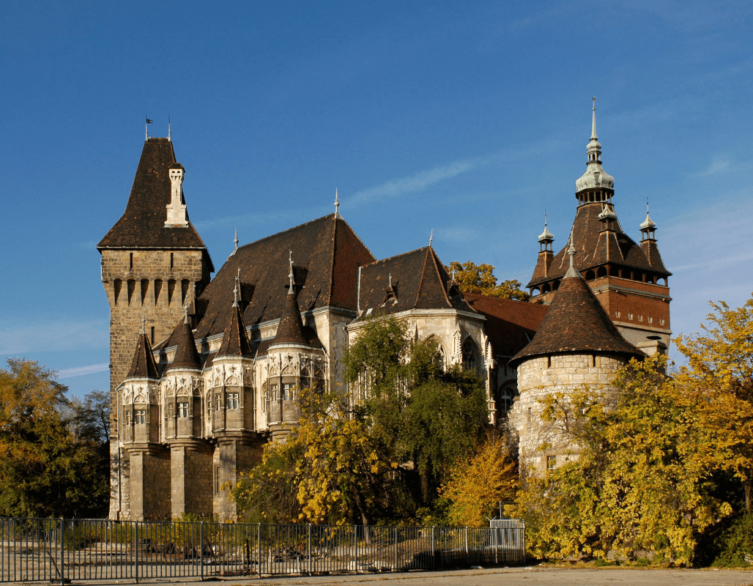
(290,330)
(576,323)
(143,364)
(234,339)
(186,356)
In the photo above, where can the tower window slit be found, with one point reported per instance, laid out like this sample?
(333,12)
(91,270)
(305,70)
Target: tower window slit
(171,261)
(130,263)
(152,334)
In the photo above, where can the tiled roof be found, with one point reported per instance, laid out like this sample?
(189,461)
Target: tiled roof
(143,365)
(419,281)
(235,339)
(328,249)
(143,223)
(576,323)
(186,355)
(510,325)
(595,246)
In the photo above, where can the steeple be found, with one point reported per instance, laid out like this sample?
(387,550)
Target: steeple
(235,339)
(291,330)
(337,205)
(186,355)
(595,177)
(143,364)
(572,273)
(648,227)
(546,237)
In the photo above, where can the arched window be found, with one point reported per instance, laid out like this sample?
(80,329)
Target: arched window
(470,354)
(504,401)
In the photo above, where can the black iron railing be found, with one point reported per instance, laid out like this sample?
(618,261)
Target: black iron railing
(66,550)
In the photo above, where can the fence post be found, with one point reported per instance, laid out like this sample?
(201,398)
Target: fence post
(309,549)
(136,549)
(201,548)
(258,545)
(355,544)
(433,553)
(396,568)
(467,557)
(62,546)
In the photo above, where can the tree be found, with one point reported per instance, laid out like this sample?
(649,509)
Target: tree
(476,486)
(641,482)
(719,380)
(473,278)
(45,468)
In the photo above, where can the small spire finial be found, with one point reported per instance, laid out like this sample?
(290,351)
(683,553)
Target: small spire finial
(291,275)
(390,285)
(593,119)
(235,240)
(431,237)
(571,272)
(337,204)
(185,319)
(235,290)
(148,122)
(647,206)
(169,129)
(143,321)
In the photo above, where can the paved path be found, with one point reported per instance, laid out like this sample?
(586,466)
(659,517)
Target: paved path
(502,577)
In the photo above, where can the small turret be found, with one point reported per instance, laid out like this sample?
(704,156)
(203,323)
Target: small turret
(176,209)
(546,254)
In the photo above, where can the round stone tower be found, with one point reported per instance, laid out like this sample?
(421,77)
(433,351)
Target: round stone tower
(576,347)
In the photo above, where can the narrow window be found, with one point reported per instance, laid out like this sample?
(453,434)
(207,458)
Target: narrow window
(551,462)
(530,416)
(274,392)
(152,334)
(549,362)
(232,400)
(219,402)
(130,265)
(140,417)
(216,480)
(182,409)
(171,261)
(287,392)
(593,361)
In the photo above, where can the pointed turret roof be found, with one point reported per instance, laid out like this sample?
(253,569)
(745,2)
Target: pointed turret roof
(143,364)
(234,339)
(576,323)
(186,356)
(291,329)
(143,223)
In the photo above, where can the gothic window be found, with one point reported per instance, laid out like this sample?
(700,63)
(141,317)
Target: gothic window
(287,391)
(504,401)
(182,409)
(232,400)
(275,389)
(140,416)
(470,354)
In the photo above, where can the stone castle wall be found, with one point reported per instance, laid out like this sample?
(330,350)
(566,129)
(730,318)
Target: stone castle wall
(545,376)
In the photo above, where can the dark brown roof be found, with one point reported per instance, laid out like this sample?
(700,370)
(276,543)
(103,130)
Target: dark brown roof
(328,249)
(143,223)
(510,325)
(290,330)
(596,247)
(576,323)
(235,339)
(143,365)
(186,355)
(419,281)
(651,250)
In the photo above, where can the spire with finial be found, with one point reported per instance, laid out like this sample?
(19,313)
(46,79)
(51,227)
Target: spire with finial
(143,322)
(595,177)
(571,272)
(185,318)
(431,237)
(235,240)
(546,235)
(235,293)
(169,129)
(337,204)
(648,226)
(291,275)
(593,120)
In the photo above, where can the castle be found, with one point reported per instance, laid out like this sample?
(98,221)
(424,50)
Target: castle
(205,371)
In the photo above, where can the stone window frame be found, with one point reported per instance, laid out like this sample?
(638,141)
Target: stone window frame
(551,463)
(140,416)
(232,401)
(183,409)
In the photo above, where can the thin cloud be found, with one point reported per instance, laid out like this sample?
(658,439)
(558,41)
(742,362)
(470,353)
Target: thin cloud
(83,370)
(19,338)
(718,165)
(412,183)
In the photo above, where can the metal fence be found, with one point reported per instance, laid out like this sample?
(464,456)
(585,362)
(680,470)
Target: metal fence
(65,550)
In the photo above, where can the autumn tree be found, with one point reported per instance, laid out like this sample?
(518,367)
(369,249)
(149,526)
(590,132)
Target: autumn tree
(473,278)
(476,485)
(719,379)
(641,482)
(52,462)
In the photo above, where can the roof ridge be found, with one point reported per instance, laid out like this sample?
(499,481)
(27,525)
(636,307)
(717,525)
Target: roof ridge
(285,231)
(439,276)
(421,280)
(395,256)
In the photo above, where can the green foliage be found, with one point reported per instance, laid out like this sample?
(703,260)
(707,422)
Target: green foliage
(53,453)
(734,545)
(473,278)
(379,454)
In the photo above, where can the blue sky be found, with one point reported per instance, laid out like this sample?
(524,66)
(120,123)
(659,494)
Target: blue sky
(468,118)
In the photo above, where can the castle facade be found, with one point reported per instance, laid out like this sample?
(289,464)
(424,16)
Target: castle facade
(204,370)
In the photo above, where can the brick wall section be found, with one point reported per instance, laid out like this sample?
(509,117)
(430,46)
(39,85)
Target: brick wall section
(191,480)
(150,484)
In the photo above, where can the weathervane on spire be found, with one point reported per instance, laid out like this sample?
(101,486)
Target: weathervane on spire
(148,122)
(337,204)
